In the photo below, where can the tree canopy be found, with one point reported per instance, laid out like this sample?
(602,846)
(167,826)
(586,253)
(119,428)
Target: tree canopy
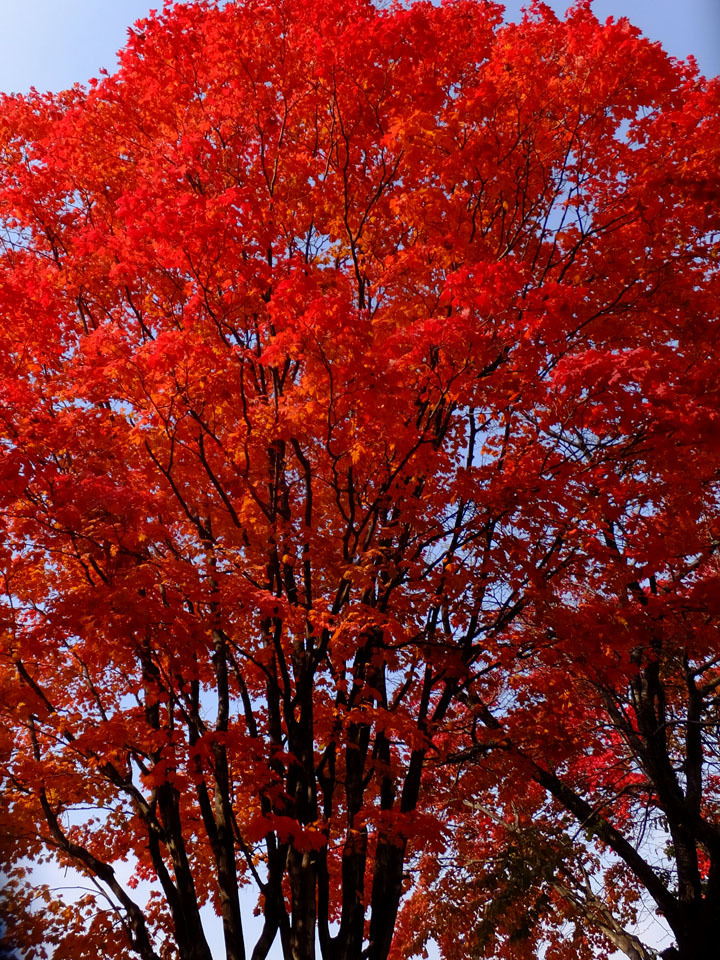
(359,485)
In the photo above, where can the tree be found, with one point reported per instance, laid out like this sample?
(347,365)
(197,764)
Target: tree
(331,339)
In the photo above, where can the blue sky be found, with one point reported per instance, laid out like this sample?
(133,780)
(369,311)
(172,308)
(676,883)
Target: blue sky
(51,44)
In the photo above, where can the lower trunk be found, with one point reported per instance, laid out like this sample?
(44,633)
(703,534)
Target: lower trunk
(302,885)
(698,933)
(386,894)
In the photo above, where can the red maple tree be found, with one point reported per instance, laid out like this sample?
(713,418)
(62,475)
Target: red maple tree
(338,344)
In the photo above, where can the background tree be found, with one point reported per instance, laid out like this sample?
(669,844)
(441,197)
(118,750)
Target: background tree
(312,318)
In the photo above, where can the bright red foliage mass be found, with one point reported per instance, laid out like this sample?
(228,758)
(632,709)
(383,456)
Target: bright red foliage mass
(360,452)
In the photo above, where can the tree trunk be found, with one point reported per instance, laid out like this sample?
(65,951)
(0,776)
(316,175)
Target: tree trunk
(697,934)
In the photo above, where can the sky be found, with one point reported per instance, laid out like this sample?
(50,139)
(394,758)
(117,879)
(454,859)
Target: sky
(52,44)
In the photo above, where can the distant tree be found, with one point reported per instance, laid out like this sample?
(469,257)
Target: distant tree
(350,360)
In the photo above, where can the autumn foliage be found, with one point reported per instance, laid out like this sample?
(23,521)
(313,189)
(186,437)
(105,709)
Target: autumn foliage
(360,377)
